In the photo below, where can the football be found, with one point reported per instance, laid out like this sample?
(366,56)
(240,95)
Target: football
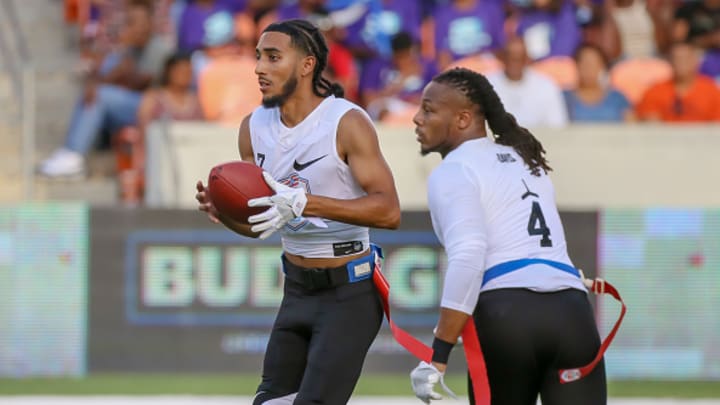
(231,185)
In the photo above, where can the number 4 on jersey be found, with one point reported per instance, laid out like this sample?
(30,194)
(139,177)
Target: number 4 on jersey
(536,225)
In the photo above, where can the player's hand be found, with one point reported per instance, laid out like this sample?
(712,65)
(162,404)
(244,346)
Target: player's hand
(205,204)
(423,379)
(285,205)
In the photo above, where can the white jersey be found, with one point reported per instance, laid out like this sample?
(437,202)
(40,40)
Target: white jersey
(306,156)
(490,212)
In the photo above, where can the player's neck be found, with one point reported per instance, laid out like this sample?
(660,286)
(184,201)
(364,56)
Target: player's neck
(298,107)
(461,139)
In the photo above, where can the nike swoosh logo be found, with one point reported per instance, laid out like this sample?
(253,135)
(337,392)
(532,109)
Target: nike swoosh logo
(302,166)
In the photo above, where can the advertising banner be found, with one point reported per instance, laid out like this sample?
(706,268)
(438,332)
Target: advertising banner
(173,292)
(666,263)
(43,289)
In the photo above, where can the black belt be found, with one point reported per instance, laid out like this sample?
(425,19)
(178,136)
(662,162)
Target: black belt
(316,278)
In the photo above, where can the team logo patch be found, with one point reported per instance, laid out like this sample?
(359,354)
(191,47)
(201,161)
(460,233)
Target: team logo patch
(295,181)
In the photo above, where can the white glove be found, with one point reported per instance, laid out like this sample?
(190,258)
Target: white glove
(285,205)
(423,379)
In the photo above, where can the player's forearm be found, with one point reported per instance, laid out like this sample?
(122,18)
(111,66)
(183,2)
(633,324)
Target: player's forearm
(450,325)
(376,210)
(449,329)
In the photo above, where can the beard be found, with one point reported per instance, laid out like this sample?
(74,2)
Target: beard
(287,90)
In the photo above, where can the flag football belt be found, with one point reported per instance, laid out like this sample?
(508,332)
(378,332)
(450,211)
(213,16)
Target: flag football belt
(598,286)
(323,278)
(471,344)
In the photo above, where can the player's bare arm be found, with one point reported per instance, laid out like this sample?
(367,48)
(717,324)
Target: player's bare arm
(358,146)
(246,154)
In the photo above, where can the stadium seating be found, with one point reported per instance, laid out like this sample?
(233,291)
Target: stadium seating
(561,69)
(633,76)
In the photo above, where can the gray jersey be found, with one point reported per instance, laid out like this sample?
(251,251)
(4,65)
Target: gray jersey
(306,156)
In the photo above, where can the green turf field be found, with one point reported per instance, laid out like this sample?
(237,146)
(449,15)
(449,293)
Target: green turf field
(235,384)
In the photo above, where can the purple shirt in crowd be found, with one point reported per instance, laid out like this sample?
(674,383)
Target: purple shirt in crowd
(290,12)
(467,32)
(380,73)
(549,34)
(711,64)
(191,30)
(392,17)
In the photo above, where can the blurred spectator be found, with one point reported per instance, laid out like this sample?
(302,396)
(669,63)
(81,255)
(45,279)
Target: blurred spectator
(227,84)
(369,25)
(661,13)
(467,27)
(534,99)
(598,26)
(636,28)
(111,96)
(396,85)
(699,22)
(593,100)
(101,24)
(199,18)
(290,10)
(549,27)
(175,98)
(688,96)
(401,16)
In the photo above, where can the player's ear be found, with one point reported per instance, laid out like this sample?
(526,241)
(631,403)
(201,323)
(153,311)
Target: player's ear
(308,65)
(463,119)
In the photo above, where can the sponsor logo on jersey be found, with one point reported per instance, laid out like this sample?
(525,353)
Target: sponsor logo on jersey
(302,166)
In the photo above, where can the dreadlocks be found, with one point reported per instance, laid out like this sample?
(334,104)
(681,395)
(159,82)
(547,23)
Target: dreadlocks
(307,38)
(505,128)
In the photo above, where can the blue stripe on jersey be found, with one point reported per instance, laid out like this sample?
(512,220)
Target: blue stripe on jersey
(508,267)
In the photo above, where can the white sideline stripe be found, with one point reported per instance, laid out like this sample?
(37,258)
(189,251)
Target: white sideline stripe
(227,400)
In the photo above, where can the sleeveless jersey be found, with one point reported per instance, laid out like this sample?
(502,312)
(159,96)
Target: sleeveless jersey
(488,210)
(306,156)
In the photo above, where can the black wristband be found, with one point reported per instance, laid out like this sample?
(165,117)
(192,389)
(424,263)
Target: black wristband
(441,351)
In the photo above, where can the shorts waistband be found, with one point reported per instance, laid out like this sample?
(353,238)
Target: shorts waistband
(508,267)
(315,278)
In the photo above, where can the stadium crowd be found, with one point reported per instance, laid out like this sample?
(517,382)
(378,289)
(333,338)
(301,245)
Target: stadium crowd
(553,62)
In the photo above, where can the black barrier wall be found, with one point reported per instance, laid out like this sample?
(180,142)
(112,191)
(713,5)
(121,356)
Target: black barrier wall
(170,291)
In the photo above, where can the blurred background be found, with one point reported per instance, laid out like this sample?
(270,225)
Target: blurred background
(112,283)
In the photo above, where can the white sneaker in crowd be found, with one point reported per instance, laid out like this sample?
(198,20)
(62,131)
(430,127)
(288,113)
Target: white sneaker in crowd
(63,163)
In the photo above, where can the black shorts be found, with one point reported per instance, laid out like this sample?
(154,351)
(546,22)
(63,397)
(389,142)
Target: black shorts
(526,337)
(319,341)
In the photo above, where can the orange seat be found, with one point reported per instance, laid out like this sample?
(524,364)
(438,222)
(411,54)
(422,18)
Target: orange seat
(228,89)
(561,69)
(633,77)
(484,63)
